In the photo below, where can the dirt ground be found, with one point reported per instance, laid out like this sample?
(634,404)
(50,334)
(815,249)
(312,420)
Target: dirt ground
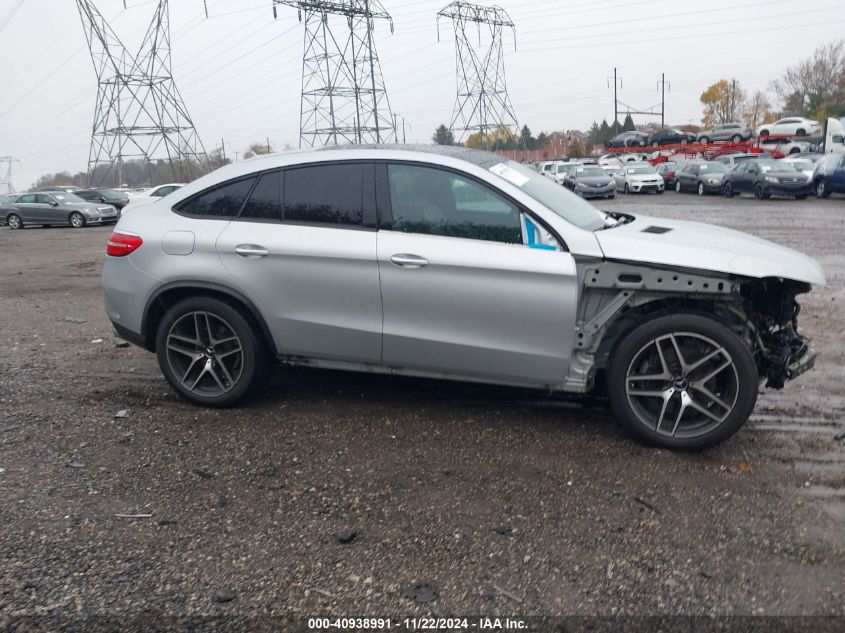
(466,488)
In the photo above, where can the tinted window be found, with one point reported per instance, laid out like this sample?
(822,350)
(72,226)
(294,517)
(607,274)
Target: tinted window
(42,199)
(265,202)
(325,194)
(437,202)
(223,201)
(28,199)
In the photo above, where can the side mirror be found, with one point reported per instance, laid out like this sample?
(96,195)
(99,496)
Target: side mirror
(53,203)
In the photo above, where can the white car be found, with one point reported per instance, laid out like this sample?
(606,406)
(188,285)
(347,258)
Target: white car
(639,178)
(560,170)
(792,126)
(152,194)
(804,165)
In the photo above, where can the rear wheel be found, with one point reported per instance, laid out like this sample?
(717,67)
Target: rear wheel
(728,190)
(801,132)
(209,353)
(763,133)
(736,138)
(678,186)
(682,381)
(704,139)
(14,221)
(821,189)
(77,220)
(627,190)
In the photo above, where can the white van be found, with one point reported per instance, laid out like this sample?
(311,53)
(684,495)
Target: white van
(834,137)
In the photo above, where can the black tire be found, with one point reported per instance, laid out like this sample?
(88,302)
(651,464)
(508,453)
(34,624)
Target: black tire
(678,187)
(763,133)
(736,138)
(801,132)
(701,189)
(76,220)
(822,190)
(627,190)
(760,192)
(247,369)
(704,139)
(14,221)
(736,385)
(795,150)
(728,190)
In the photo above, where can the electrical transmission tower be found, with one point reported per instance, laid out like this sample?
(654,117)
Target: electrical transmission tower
(6,185)
(140,114)
(343,95)
(483,104)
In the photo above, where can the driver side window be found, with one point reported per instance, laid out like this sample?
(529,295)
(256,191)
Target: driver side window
(438,202)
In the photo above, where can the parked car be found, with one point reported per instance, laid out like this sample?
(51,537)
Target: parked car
(639,178)
(152,194)
(277,267)
(732,160)
(766,177)
(55,208)
(735,132)
(65,188)
(560,170)
(117,199)
(590,181)
(791,126)
(545,167)
(627,139)
(702,178)
(668,172)
(829,175)
(804,165)
(670,136)
(786,147)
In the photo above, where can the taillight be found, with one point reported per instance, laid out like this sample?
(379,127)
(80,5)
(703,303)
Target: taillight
(121,244)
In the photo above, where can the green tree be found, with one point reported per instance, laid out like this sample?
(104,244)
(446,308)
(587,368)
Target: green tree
(628,125)
(576,150)
(443,136)
(528,141)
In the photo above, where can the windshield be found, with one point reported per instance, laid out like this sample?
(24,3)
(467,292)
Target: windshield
(66,197)
(113,195)
(714,168)
(591,172)
(562,169)
(561,201)
(801,165)
(641,169)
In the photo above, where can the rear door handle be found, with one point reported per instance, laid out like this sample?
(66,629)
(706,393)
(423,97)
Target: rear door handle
(251,250)
(406,260)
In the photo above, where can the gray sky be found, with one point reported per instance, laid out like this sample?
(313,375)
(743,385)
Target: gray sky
(239,71)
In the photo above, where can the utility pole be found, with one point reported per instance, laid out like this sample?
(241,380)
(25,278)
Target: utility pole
(482,103)
(662,87)
(344,99)
(223,149)
(617,81)
(6,185)
(140,114)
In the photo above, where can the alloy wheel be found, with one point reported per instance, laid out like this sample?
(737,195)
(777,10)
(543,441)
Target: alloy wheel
(76,220)
(821,189)
(701,189)
(14,221)
(682,385)
(205,354)
(678,186)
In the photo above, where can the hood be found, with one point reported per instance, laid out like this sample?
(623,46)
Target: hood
(706,247)
(644,177)
(594,180)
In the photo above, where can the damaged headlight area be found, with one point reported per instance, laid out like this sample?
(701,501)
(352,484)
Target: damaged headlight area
(781,353)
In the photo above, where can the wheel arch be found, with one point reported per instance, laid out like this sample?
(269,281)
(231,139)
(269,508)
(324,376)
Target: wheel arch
(173,292)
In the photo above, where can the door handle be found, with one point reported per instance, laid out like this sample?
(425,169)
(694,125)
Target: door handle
(406,260)
(251,250)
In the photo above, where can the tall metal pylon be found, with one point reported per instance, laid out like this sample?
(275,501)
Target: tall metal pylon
(6,185)
(140,114)
(482,104)
(344,99)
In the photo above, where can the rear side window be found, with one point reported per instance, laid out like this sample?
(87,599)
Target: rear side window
(221,202)
(325,194)
(265,202)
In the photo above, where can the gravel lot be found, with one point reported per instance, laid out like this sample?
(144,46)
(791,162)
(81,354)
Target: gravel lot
(462,487)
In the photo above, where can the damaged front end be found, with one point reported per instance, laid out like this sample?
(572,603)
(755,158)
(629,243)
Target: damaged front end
(772,316)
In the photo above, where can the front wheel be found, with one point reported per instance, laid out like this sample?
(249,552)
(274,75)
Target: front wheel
(678,186)
(704,140)
(701,189)
(736,138)
(728,190)
(209,353)
(627,189)
(77,220)
(760,192)
(14,221)
(821,189)
(683,382)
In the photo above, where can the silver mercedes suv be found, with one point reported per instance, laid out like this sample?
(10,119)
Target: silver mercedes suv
(459,264)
